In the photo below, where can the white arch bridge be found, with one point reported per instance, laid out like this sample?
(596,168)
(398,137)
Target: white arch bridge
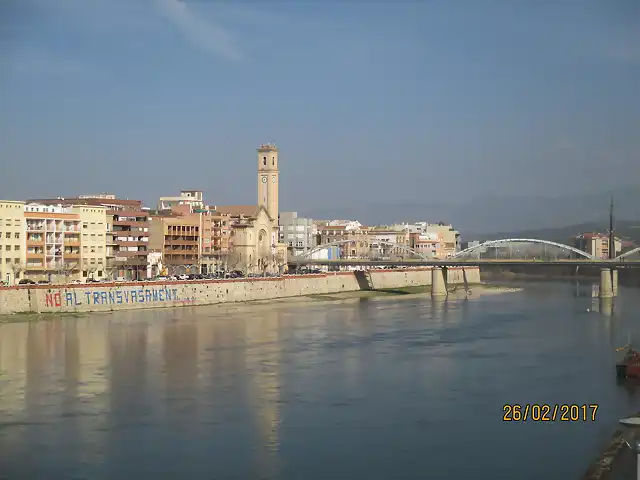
(506,249)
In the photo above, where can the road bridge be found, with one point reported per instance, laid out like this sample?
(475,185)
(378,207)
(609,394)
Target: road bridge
(454,262)
(506,252)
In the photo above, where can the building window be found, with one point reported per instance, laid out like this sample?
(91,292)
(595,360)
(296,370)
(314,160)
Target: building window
(17,235)
(264,160)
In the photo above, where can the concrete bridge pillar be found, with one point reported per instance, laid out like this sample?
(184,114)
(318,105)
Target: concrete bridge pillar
(614,282)
(438,285)
(606,287)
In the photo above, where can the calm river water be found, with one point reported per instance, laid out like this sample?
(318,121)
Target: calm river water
(382,388)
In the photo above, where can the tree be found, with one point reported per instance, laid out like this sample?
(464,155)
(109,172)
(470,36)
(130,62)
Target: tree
(91,271)
(109,270)
(233,260)
(67,269)
(281,262)
(17,269)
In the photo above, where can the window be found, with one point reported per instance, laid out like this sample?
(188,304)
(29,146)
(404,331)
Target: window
(7,235)
(7,248)
(264,160)
(17,235)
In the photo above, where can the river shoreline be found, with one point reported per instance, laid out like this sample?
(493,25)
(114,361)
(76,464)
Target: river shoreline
(475,292)
(100,297)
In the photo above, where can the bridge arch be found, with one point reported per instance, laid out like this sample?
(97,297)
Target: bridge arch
(324,246)
(628,254)
(494,243)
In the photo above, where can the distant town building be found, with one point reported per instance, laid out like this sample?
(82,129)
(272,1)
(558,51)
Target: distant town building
(597,244)
(298,233)
(470,244)
(193,198)
(388,243)
(447,236)
(12,241)
(427,244)
(181,237)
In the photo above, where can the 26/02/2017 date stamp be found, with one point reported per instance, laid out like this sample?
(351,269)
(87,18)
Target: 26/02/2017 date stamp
(541,412)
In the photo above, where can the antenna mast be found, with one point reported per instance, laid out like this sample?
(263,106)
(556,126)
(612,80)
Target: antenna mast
(612,240)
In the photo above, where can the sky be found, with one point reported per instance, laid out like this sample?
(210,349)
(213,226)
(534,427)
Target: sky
(376,103)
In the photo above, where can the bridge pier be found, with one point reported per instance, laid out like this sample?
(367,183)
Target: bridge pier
(438,285)
(606,286)
(614,282)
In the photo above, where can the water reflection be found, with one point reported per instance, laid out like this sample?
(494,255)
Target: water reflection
(371,388)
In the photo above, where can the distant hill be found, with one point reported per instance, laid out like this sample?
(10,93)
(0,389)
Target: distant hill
(625,229)
(488,214)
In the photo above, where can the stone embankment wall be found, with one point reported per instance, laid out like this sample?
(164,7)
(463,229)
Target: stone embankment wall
(127,296)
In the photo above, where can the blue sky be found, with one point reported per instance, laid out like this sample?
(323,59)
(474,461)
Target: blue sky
(384,102)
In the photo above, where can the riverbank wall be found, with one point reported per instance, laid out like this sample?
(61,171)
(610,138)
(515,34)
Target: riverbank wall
(98,297)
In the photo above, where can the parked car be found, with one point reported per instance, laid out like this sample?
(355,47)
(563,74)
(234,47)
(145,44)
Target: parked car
(26,281)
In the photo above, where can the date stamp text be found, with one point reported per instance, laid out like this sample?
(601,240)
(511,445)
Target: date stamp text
(541,412)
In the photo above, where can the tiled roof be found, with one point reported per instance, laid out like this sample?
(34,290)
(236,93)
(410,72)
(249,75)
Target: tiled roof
(249,211)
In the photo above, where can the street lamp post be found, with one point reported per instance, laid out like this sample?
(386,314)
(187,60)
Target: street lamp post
(632,424)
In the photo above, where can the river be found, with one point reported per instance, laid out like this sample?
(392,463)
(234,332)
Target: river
(372,388)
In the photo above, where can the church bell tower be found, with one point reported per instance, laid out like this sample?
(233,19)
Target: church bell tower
(268,179)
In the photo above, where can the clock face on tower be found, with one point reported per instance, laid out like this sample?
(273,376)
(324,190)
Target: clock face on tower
(264,179)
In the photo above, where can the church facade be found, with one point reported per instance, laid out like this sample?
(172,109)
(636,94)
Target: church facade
(254,247)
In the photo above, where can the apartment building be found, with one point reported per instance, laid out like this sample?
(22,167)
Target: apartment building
(597,244)
(53,243)
(127,233)
(449,236)
(179,237)
(93,240)
(220,236)
(12,241)
(385,242)
(351,238)
(298,233)
(427,244)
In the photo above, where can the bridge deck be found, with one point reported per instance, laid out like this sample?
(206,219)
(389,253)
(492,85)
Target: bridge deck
(462,263)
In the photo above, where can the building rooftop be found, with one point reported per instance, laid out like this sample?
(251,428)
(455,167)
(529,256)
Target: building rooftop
(248,211)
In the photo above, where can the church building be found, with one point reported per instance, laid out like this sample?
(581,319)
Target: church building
(254,244)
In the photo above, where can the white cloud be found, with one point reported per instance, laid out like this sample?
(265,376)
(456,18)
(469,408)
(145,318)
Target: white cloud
(202,33)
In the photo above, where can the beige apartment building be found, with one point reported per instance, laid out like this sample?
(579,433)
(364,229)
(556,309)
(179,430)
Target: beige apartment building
(93,241)
(178,237)
(53,243)
(12,241)
(385,242)
(352,239)
(597,244)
